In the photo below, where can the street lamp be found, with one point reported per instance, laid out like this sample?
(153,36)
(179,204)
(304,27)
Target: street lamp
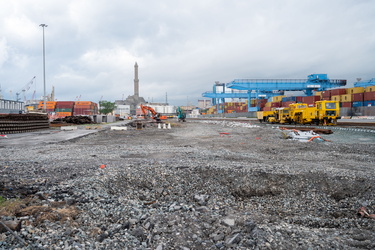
(44,67)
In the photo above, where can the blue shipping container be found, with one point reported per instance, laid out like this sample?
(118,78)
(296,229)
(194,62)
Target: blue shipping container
(357,104)
(369,103)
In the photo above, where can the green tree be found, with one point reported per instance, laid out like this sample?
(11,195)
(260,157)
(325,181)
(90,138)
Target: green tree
(106,107)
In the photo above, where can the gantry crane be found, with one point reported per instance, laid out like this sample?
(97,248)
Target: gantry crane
(365,83)
(265,88)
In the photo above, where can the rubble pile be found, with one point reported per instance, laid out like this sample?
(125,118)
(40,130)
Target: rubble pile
(190,187)
(81,119)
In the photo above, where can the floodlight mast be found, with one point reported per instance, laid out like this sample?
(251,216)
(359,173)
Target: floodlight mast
(44,68)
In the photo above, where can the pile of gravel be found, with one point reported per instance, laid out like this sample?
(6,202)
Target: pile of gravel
(199,185)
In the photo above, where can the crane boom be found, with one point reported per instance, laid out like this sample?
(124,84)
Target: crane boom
(24,89)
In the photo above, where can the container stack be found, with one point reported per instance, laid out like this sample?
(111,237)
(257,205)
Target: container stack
(85,108)
(348,98)
(235,107)
(369,97)
(261,103)
(50,106)
(310,100)
(64,109)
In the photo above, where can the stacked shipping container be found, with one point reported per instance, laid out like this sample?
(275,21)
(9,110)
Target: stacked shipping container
(85,108)
(69,108)
(50,106)
(350,97)
(64,108)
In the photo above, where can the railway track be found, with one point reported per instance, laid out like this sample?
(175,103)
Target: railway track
(368,124)
(22,123)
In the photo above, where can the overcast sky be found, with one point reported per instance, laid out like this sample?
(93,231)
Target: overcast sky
(181,47)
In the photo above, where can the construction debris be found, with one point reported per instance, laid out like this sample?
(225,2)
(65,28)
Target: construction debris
(303,136)
(315,130)
(73,120)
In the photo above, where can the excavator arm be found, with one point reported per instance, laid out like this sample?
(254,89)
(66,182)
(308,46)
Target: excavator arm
(154,115)
(146,109)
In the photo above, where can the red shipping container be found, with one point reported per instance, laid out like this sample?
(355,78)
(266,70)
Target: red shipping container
(286,104)
(338,92)
(358,97)
(275,104)
(261,100)
(64,105)
(267,109)
(299,99)
(310,99)
(346,104)
(326,93)
(369,96)
(261,105)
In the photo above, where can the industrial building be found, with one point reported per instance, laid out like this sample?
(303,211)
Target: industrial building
(11,107)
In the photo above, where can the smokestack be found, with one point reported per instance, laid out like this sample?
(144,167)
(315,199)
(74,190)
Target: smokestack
(136,80)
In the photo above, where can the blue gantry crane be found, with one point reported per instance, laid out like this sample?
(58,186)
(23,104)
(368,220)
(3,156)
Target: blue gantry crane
(265,88)
(365,83)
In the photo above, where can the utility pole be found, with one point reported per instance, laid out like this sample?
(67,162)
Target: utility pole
(44,68)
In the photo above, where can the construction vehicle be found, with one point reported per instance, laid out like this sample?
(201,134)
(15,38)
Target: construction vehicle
(301,113)
(181,115)
(323,113)
(327,112)
(266,116)
(154,115)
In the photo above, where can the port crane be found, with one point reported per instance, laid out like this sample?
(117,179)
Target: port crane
(365,83)
(24,89)
(265,88)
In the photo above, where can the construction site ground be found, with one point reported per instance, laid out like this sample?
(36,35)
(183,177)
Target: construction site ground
(199,185)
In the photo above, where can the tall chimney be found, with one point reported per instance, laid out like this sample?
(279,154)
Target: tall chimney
(136,80)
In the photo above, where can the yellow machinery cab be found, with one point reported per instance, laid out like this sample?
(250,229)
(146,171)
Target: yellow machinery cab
(301,113)
(282,115)
(266,116)
(327,112)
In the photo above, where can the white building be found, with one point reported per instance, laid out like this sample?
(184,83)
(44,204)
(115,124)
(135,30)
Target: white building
(122,110)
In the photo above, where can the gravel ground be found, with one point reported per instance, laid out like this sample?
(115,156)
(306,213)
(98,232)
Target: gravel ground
(190,187)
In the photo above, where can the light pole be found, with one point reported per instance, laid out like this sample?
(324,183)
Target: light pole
(44,68)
